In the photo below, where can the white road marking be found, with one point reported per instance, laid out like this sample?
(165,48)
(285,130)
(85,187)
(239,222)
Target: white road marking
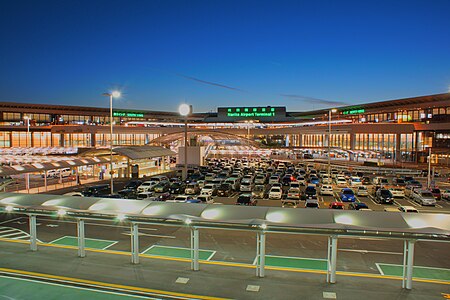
(379,269)
(12,220)
(153,235)
(413,203)
(370,251)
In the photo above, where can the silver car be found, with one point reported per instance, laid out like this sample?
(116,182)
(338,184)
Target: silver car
(424,197)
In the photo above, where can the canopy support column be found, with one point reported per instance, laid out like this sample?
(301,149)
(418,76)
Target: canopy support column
(408,264)
(134,243)
(260,253)
(331,260)
(194,249)
(33,233)
(81,236)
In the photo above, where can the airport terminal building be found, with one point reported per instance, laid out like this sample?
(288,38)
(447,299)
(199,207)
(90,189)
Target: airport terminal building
(401,129)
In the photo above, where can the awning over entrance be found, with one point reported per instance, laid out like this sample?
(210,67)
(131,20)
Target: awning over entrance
(133,152)
(45,166)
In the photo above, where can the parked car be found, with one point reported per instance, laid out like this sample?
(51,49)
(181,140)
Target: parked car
(246,186)
(310,192)
(314,180)
(446,194)
(362,191)
(289,203)
(355,181)
(326,189)
(96,190)
(312,203)
(423,197)
(275,193)
(336,205)
(224,190)
(146,196)
(357,206)
(146,186)
(408,209)
(246,199)
(192,189)
(177,187)
(162,187)
(397,192)
(129,190)
(384,196)
(347,195)
(341,181)
(399,181)
(258,191)
(205,199)
(436,193)
(209,189)
(293,193)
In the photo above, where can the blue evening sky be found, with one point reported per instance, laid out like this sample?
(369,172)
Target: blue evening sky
(162,53)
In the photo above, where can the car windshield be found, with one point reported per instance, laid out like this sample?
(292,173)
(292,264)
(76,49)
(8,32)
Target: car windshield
(243,199)
(348,192)
(362,188)
(436,191)
(276,190)
(310,189)
(312,204)
(385,193)
(427,194)
(335,206)
(356,179)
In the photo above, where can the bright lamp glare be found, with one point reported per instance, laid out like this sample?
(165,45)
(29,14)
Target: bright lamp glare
(121,217)
(9,208)
(115,94)
(264,226)
(188,221)
(334,110)
(61,212)
(184,109)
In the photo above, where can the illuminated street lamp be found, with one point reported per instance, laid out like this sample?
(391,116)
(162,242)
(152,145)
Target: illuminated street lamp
(111,95)
(27,118)
(333,110)
(185,110)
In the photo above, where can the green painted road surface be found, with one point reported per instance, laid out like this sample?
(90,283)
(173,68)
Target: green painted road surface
(418,272)
(296,262)
(88,243)
(15,288)
(177,252)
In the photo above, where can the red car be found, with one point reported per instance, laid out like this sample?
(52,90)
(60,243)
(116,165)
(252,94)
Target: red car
(436,193)
(336,205)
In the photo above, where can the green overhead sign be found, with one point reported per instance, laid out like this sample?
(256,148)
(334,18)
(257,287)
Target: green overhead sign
(353,111)
(252,112)
(128,114)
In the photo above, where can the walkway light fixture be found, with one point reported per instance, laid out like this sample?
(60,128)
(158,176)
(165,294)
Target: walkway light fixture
(111,95)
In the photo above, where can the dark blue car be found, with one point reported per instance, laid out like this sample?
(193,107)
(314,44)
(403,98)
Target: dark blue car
(347,195)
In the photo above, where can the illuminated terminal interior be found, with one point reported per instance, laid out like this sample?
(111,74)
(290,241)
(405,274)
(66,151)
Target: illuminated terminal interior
(402,129)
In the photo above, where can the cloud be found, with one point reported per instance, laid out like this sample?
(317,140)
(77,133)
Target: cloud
(312,99)
(210,83)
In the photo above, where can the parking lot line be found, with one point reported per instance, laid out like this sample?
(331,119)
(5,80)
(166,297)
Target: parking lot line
(295,262)
(89,242)
(430,273)
(178,252)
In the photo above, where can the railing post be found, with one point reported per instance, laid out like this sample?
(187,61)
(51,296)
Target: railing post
(81,240)
(332,258)
(33,233)
(134,243)
(194,249)
(408,264)
(260,253)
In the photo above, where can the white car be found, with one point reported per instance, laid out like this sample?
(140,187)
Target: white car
(146,186)
(74,194)
(246,187)
(301,180)
(341,181)
(206,199)
(397,192)
(362,191)
(293,193)
(275,193)
(445,194)
(326,190)
(408,209)
(208,189)
(274,179)
(423,197)
(355,181)
(326,179)
(181,198)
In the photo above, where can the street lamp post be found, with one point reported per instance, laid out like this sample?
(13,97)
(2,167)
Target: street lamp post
(111,95)
(185,110)
(429,169)
(329,140)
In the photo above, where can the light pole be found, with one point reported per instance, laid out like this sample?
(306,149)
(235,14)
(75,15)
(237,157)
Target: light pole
(429,169)
(329,140)
(27,118)
(249,122)
(185,110)
(111,95)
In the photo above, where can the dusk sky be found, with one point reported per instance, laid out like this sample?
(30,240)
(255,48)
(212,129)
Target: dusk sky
(223,53)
